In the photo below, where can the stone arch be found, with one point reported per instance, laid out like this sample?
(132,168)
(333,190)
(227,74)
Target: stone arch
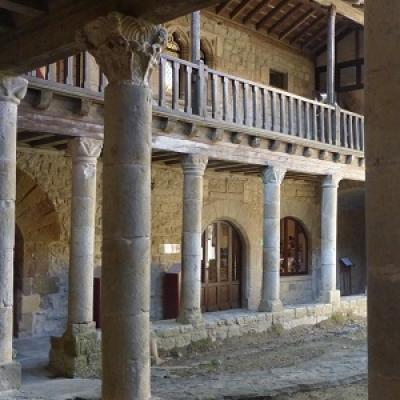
(37,227)
(245,222)
(208,49)
(181,37)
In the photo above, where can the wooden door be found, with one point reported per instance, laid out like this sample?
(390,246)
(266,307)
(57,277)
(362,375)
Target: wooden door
(221,267)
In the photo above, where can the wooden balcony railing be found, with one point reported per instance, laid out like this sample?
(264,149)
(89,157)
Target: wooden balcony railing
(196,90)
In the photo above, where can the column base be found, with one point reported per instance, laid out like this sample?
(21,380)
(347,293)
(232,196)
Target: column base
(10,376)
(189,317)
(330,297)
(77,354)
(270,306)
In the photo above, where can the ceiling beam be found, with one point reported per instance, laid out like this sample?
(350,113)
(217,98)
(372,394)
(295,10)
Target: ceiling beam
(242,5)
(255,10)
(305,30)
(344,9)
(221,7)
(285,17)
(20,7)
(271,14)
(296,24)
(52,36)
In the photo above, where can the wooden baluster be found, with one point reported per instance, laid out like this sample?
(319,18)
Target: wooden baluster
(329,121)
(226,116)
(175,85)
(284,116)
(215,96)
(188,90)
(291,115)
(265,109)
(52,72)
(322,124)
(255,106)
(69,71)
(351,133)
(362,138)
(308,134)
(338,125)
(236,101)
(87,67)
(314,122)
(300,120)
(104,82)
(246,111)
(345,130)
(357,133)
(274,115)
(161,83)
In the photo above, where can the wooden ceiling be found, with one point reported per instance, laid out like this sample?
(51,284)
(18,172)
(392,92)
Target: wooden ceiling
(34,33)
(299,23)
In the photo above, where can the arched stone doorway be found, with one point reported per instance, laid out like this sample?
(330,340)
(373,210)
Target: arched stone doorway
(222,267)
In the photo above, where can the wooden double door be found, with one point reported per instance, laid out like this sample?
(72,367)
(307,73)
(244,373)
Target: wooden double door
(221,269)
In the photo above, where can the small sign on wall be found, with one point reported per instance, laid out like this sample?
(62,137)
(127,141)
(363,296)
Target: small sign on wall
(170,248)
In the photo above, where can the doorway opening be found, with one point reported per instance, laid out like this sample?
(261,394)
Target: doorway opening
(221,267)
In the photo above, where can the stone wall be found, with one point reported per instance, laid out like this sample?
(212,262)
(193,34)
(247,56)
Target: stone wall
(43,209)
(239,51)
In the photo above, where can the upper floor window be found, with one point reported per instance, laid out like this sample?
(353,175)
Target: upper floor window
(294,247)
(278,79)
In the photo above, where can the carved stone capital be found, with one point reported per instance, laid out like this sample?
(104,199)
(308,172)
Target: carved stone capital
(83,148)
(12,88)
(194,164)
(126,48)
(331,181)
(273,174)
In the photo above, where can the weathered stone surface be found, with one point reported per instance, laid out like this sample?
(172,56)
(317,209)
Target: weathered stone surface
(10,376)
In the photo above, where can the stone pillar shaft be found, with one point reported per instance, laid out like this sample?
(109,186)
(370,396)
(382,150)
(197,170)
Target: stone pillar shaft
(126,50)
(196,36)
(383,197)
(329,294)
(270,296)
(12,90)
(193,171)
(84,152)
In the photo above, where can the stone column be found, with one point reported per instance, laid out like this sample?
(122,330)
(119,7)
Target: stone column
(329,293)
(12,91)
(383,197)
(331,56)
(77,353)
(270,299)
(126,50)
(193,166)
(84,152)
(196,36)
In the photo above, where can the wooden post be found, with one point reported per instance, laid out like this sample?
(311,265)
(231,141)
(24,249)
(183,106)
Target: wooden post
(196,36)
(330,78)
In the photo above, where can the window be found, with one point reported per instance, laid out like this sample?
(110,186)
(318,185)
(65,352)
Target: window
(294,248)
(278,79)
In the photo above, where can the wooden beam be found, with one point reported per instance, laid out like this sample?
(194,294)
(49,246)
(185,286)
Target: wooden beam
(284,17)
(221,7)
(20,7)
(271,14)
(296,24)
(255,10)
(344,9)
(305,30)
(52,36)
(242,5)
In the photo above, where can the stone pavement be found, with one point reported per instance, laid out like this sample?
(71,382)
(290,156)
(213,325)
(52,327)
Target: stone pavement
(331,368)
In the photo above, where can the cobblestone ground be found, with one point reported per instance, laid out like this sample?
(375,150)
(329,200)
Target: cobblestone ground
(326,362)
